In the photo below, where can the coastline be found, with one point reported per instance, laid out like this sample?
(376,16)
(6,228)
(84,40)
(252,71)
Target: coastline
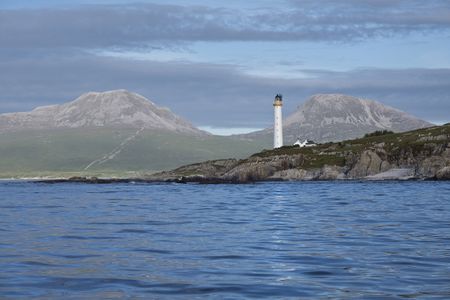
(213,181)
(422,154)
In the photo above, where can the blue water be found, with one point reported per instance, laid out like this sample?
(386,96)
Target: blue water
(271,240)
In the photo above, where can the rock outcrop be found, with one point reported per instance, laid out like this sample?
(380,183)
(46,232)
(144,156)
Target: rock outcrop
(370,163)
(209,171)
(420,154)
(261,168)
(443,174)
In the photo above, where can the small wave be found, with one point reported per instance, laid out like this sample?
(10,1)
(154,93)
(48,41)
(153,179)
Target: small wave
(77,256)
(217,257)
(38,263)
(157,251)
(113,223)
(133,231)
(319,273)
(165,223)
(77,237)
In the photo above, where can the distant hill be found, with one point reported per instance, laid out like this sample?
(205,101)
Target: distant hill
(335,117)
(113,132)
(112,109)
(110,151)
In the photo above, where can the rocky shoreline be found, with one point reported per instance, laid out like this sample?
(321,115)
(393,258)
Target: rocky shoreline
(416,155)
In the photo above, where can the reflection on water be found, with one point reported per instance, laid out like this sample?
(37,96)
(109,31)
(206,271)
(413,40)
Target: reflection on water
(269,240)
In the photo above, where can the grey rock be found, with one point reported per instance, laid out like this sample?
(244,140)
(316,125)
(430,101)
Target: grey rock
(433,138)
(293,174)
(208,169)
(369,163)
(443,174)
(257,168)
(429,167)
(394,174)
(332,173)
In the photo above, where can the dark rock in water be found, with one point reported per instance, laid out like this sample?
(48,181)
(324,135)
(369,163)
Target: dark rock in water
(196,172)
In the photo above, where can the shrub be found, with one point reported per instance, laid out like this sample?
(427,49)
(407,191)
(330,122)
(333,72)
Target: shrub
(378,133)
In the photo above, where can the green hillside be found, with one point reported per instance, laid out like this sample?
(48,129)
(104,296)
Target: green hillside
(393,143)
(69,151)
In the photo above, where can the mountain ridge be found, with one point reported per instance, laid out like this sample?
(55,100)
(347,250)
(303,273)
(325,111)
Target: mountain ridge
(116,108)
(337,117)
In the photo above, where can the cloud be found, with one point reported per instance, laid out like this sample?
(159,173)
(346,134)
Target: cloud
(46,56)
(350,20)
(147,25)
(213,94)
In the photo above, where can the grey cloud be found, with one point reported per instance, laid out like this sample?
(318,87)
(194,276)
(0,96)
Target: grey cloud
(360,19)
(147,25)
(209,94)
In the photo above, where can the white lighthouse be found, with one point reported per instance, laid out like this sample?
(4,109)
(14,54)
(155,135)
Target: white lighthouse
(278,122)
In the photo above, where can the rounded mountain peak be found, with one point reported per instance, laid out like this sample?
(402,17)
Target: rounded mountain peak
(112,98)
(117,108)
(326,117)
(333,100)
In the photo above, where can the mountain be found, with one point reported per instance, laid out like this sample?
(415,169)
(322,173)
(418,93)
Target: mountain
(336,117)
(115,109)
(112,133)
(118,131)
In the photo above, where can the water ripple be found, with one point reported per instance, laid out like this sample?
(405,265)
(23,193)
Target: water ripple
(317,240)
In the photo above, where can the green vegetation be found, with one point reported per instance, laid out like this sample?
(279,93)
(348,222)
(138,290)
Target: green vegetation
(395,145)
(67,152)
(378,133)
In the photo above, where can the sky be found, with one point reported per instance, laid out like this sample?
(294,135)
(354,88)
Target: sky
(219,64)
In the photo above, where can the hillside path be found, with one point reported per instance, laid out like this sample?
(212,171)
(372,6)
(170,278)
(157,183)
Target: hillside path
(111,155)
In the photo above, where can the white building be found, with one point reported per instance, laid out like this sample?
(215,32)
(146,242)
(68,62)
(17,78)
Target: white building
(278,122)
(305,143)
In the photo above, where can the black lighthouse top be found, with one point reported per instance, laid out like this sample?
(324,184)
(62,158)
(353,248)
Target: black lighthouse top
(279,97)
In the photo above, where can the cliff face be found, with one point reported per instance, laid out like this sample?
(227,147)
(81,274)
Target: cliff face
(420,154)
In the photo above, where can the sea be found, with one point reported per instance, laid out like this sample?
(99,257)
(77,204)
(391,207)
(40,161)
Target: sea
(272,240)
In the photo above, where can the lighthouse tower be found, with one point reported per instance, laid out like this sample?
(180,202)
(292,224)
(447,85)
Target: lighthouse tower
(278,122)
